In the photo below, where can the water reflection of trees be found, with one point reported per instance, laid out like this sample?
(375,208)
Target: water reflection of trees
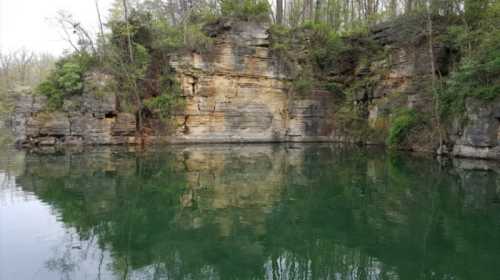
(303,212)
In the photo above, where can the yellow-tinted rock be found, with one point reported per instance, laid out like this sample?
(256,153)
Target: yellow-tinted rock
(237,94)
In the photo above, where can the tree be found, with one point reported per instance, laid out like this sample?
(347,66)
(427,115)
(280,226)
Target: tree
(75,34)
(279,11)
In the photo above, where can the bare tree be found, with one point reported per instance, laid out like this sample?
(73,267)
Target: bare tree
(430,31)
(72,29)
(129,36)
(101,30)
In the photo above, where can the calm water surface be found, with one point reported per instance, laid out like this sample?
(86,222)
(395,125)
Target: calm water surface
(246,212)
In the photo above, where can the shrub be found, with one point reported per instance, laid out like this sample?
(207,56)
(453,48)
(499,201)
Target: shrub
(327,46)
(65,80)
(401,125)
(478,73)
(167,37)
(196,39)
(477,76)
(335,88)
(51,90)
(170,98)
(303,85)
(246,9)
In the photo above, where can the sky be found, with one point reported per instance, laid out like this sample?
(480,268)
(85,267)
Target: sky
(30,23)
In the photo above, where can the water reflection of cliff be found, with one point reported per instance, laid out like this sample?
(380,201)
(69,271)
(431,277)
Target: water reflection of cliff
(276,212)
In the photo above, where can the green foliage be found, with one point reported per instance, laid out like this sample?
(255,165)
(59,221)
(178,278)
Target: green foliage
(196,40)
(458,37)
(478,73)
(334,88)
(65,80)
(401,125)
(308,53)
(319,48)
(279,30)
(157,35)
(303,85)
(147,81)
(246,9)
(169,38)
(327,46)
(169,99)
(163,104)
(282,47)
(128,74)
(350,119)
(54,94)
(6,137)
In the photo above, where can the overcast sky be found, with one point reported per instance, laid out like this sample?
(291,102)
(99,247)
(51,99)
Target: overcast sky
(29,23)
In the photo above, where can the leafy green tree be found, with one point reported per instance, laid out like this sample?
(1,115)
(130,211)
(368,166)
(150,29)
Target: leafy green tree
(66,79)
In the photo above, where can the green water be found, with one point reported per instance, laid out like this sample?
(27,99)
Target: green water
(247,212)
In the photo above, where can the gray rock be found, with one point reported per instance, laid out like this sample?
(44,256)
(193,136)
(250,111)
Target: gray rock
(90,119)
(480,135)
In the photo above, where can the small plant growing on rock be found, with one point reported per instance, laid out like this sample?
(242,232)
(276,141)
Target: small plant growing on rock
(401,125)
(170,99)
(303,85)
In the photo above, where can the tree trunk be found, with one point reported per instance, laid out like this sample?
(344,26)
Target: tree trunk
(433,76)
(279,11)
(171,8)
(129,37)
(408,6)
(317,14)
(135,87)
(101,41)
(101,28)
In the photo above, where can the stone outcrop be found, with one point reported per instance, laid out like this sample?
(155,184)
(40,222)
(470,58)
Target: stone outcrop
(406,83)
(391,76)
(237,93)
(479,137)
(399,78)
(89,119)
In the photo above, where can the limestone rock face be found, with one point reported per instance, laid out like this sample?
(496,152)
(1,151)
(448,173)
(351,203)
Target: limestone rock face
(395,77)
(480,136)
(90,119)
(236,93)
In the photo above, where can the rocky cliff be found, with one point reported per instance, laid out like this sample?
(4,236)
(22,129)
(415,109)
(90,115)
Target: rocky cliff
(401,79)
(480,136)
(239,92)
(90,119)
(234,93)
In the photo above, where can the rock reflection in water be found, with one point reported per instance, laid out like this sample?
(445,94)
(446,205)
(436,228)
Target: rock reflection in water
(268,212)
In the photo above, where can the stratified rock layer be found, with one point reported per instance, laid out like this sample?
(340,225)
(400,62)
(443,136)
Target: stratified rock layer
(480,136)
(90,119)
(236,93)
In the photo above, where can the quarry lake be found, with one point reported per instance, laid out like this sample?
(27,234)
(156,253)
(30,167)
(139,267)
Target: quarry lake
(273,211)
